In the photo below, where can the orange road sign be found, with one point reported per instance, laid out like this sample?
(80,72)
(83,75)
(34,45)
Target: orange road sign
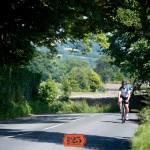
(74,140)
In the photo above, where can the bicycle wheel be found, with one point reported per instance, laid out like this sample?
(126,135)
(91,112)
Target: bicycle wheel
(123,114)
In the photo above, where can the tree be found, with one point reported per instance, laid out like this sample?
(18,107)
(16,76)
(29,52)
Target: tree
(94,81)
(78,78)
(109,72)
(104,68)
(84,79)
(73,62)
(48,91)
(17,85)
(129,41)
(118,77)
(66,90)
(54,67)
(25,24)
(131,54)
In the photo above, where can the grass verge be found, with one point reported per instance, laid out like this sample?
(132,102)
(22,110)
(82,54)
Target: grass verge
(83,107)
(141,138)
(57,107)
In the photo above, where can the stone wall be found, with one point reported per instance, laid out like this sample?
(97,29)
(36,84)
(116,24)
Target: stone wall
(135,101)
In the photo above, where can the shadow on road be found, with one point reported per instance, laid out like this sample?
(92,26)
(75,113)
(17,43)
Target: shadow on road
(111,121)
(120,121)
(41,119)
(92,142)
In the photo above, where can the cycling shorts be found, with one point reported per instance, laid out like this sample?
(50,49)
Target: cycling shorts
(124,99)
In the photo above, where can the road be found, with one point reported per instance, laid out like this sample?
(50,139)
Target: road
(103,131)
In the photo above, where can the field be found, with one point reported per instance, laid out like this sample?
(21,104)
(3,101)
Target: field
(112,91)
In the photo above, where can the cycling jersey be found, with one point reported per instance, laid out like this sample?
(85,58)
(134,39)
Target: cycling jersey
(124,92)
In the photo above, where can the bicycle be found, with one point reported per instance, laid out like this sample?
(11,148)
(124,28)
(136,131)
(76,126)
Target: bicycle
(123,112)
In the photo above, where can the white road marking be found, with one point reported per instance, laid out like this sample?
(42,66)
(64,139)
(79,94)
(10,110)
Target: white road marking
(94,115)
(53,126)
(47,127)
(63,123)
(18,135)
(77,119)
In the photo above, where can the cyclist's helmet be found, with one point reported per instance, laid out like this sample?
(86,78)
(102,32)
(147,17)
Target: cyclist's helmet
(124,83)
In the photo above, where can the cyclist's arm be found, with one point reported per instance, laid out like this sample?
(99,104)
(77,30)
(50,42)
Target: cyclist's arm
(119,94)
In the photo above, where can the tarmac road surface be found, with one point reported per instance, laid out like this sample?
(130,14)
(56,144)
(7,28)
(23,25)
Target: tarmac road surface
(102,131)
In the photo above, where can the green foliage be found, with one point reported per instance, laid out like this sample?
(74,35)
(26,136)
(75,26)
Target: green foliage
(94,81)
(141,48)
(144,114)
(28,23)
(39,107)
(66,90)
(55,107)
(17,84)
(81,107)
(131,54)
(143,133)
(84,79)
(109,72)
(25,24)
(104,69)
(57,68)
(13,110)
(140,141)
(78,78)
(78,107)
(75,63)
(118,77)
(129,17)
(102,39)
(48,91)
(46,67)
(129,43)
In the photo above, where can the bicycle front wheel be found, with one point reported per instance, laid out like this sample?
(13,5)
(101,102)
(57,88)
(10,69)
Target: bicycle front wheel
(123,114)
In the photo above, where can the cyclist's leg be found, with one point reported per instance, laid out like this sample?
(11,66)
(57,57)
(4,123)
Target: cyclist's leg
(120,103)
(126,110)
(126,104)
(123,112)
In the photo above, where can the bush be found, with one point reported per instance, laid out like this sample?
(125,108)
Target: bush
(140,140)
(48,91)
(144,114)
(55,107)
(14,110)
(94,81)
(39,107)
(66,90)
(83,107)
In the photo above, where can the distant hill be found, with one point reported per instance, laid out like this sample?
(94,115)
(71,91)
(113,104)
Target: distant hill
(74,50)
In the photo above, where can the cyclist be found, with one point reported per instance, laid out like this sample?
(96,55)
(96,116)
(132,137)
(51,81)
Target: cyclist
(124,94)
